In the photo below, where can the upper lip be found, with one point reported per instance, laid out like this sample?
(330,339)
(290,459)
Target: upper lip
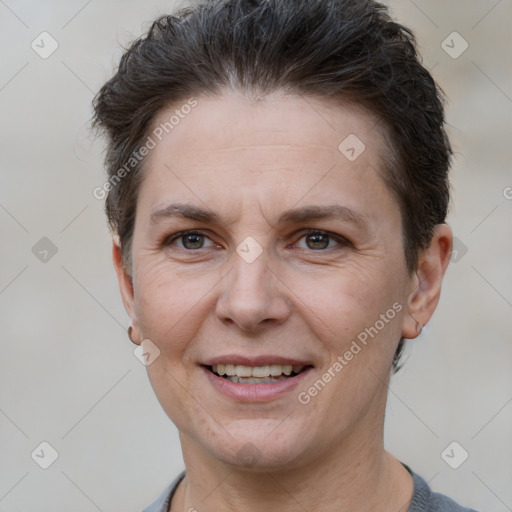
(261,360)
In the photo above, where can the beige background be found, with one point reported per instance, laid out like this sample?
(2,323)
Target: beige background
(67,371)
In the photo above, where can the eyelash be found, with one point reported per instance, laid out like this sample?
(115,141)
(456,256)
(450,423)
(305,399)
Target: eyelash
(342,241)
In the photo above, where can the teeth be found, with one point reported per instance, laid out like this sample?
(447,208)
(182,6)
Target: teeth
(276,369)
(260,372)
(257,371)
(255,380)
(244,371)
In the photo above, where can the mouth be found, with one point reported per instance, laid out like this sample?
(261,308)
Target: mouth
(266,374)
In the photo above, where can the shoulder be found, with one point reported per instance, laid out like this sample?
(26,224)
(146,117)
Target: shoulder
(424,500)
(161,504)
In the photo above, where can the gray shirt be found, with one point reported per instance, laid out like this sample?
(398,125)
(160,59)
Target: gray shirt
(423,499)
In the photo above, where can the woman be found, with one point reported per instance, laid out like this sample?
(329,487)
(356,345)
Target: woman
(278,192)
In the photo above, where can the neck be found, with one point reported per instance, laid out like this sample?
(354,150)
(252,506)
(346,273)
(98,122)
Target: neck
(357,474)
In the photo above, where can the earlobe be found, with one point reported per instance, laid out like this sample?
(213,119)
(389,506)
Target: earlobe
(426,282)
(127,291)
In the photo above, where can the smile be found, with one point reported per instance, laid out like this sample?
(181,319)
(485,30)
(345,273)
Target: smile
(244,385)
(266,374)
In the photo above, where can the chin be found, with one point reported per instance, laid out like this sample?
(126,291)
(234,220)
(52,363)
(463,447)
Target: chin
(259,444)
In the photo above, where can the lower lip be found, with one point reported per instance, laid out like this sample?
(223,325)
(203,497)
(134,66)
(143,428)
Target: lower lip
(255,392)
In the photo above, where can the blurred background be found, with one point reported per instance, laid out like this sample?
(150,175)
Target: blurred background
(68,375)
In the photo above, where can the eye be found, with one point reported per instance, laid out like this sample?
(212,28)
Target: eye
(189,240)
(320,240)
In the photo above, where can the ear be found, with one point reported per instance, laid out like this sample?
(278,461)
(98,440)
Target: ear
(126,288)
(426,282)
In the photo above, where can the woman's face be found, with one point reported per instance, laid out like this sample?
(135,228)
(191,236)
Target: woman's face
(295,258)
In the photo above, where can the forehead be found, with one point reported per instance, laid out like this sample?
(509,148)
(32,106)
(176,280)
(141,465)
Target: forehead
(231,146)
(233,120)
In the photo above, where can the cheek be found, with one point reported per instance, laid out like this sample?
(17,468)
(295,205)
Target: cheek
(346,300)
(344,312)
(169,307)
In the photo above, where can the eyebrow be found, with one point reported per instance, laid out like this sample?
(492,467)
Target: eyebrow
(332,211)
(293,216)
(185,211)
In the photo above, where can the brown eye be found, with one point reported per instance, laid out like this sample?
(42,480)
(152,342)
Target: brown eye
(317,241)
(321,240)
(189,241)
(192,241)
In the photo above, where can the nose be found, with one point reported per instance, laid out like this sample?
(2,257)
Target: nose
(253,296)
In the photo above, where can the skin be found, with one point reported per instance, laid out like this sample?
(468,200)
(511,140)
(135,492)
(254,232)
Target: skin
(249,161)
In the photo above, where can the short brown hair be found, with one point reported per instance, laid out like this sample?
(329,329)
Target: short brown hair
(348,50)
